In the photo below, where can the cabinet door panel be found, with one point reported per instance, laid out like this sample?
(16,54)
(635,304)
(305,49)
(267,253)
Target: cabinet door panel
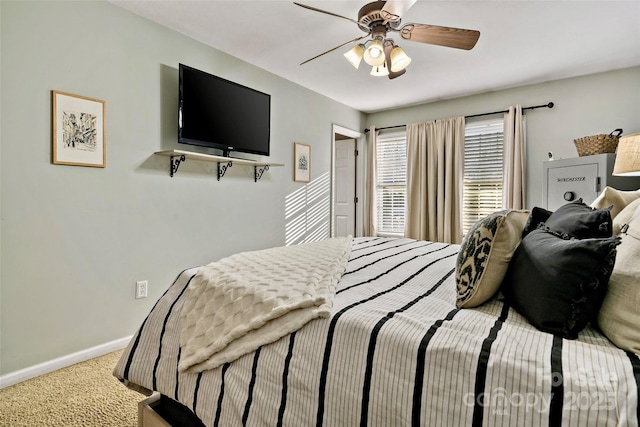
(569,183)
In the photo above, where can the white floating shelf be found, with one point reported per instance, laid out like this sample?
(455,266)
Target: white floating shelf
(178,156)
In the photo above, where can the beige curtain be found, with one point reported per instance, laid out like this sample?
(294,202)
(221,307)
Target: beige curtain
(435,167)
(513,185)
(371,214)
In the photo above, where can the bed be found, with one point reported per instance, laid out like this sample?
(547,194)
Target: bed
(394,351)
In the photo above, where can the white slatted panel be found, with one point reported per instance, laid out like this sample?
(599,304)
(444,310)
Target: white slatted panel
(391,183)
(483,170)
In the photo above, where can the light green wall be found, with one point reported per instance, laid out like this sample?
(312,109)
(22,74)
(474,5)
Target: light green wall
(76,239)
(588,105)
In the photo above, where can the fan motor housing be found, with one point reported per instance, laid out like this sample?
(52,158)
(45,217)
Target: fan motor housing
(369,14)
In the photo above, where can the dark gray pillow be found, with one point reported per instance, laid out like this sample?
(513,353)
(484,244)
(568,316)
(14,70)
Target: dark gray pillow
(557,282)
(579,220)
(537,217)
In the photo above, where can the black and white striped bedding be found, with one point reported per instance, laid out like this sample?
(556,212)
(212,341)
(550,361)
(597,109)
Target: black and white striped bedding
(396,352)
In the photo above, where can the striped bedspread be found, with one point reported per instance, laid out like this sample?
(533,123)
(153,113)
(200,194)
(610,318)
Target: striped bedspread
(395,352)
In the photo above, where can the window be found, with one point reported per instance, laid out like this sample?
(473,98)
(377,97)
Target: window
(483,171)
(391,183)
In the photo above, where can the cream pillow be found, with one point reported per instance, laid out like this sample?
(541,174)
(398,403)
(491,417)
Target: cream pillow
(484,256)
(624,216)
(619,316)
(616,198)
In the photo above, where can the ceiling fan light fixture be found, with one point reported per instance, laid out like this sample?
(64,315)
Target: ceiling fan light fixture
(374,54)
(377,19)
(399,59)
(380,70)
(354,56)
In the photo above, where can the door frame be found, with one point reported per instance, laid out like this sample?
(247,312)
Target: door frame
(359,137)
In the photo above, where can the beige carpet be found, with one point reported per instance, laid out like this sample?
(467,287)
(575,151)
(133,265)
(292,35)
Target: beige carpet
(85,394)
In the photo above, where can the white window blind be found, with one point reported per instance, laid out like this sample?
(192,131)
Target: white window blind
(391,183)
(483,170)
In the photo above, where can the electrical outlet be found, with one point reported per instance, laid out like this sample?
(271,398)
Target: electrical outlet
(141,289)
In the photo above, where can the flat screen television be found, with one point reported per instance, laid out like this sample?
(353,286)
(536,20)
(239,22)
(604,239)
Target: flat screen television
(217,113)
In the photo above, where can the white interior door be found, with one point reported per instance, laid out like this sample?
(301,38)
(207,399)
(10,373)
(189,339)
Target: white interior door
(347,184)
(344,212)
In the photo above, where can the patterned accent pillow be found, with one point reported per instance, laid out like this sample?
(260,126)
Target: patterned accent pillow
(484,256)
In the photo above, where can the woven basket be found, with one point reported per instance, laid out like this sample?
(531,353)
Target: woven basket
(597,144)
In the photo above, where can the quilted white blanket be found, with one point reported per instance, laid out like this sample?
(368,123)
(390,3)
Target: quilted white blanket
(235,305)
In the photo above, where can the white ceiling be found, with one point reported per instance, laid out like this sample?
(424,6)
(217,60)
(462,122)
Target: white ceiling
(521,42)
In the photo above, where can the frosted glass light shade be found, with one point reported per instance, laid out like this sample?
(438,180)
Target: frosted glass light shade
(374,54)
(380,70)
(628,156)
(354,56)
(399,59)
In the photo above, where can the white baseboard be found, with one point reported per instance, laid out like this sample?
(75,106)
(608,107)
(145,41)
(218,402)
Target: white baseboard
(62,362)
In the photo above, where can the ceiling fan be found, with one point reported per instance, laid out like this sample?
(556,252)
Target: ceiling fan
(377,19)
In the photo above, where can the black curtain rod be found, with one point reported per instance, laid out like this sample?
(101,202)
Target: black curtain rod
(549,105)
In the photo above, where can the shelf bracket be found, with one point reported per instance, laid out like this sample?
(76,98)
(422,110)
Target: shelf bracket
(174,164)
(222,169)
(257,172)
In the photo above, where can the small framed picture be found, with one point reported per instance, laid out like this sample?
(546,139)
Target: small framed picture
(78,130)
(301,162)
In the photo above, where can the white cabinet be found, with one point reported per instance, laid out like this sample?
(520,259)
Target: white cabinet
(567,180)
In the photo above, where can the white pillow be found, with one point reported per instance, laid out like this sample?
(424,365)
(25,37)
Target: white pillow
(619,316)
(625,216)
(616,198)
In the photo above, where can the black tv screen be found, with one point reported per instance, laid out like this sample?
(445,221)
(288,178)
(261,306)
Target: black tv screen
(217,113)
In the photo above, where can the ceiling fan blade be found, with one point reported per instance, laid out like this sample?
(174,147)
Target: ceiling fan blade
(394,9)
(324,11)
(337,47)
(388,47)
(442,36)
